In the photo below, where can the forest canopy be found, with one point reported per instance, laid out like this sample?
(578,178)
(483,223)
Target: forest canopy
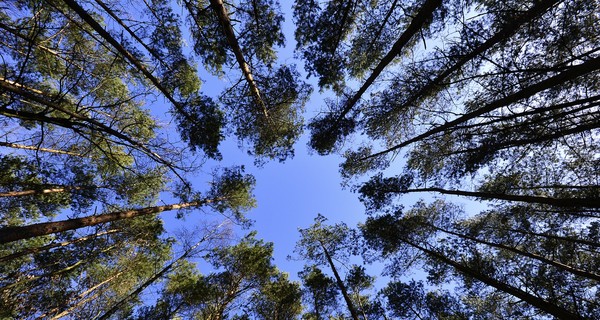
(486,112)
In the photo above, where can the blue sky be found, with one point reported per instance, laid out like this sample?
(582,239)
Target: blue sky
(289,194)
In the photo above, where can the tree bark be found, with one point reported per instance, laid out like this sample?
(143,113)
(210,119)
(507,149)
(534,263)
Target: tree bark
(340,284)
(417,23)
(159,274)
(10,234)
(508,30)
(36,148)
(127,55)
(564,267)
(41,98)
(557,202)
(23,193)
(223,17)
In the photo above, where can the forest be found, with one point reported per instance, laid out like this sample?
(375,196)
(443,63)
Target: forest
(468,130)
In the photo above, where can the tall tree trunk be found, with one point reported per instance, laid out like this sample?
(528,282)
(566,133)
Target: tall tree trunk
(551,236)
(507,30)
(37,148)
(418,22)
(10,234)
(41,98)
(557,202)
(340,284)
(78,297)
(23,193)
(127,55)
(223,17)
(543,305)
(57,272)
(132,34)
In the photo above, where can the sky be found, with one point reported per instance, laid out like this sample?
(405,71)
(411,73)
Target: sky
(289,194)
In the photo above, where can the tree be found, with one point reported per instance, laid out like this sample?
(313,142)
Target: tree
(245,270)
(266,105)
(230,192)
(461,253)
(498,106)
(322,244)
(279,299)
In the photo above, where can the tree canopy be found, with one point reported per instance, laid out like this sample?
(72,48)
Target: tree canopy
(468,129)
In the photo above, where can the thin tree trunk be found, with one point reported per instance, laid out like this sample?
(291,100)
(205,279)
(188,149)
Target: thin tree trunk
(555,237)
(340,284)
(223,17)
(567,75)
(23,193)
(10,234)
(36,148)
(55,245)
(39,97)
(418,22)
(78,304)
(80,296)
(557,202)
(127,55)
(564,267)
(543,305)
(132,34)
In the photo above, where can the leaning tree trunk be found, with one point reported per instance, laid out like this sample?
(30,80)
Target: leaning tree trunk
(543,305)
(340,284)
(223,17)
(10,234)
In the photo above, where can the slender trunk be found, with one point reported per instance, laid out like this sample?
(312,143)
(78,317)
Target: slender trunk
(10,234)
(132,34)
(78,297)
(79,10)
(564,267)
(567,75)
(23,193)
(557,202)
(55,245)
(555,237)
(162,272)
(77,305)
(418,22)
(340,284)
(552,110)
(223,17)
(127,55)
(543,305)
(383,24)
(37,148)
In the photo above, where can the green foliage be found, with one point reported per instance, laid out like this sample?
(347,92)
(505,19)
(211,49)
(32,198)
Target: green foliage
(319,292)
(231,191)
(278,299)
(201,125)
